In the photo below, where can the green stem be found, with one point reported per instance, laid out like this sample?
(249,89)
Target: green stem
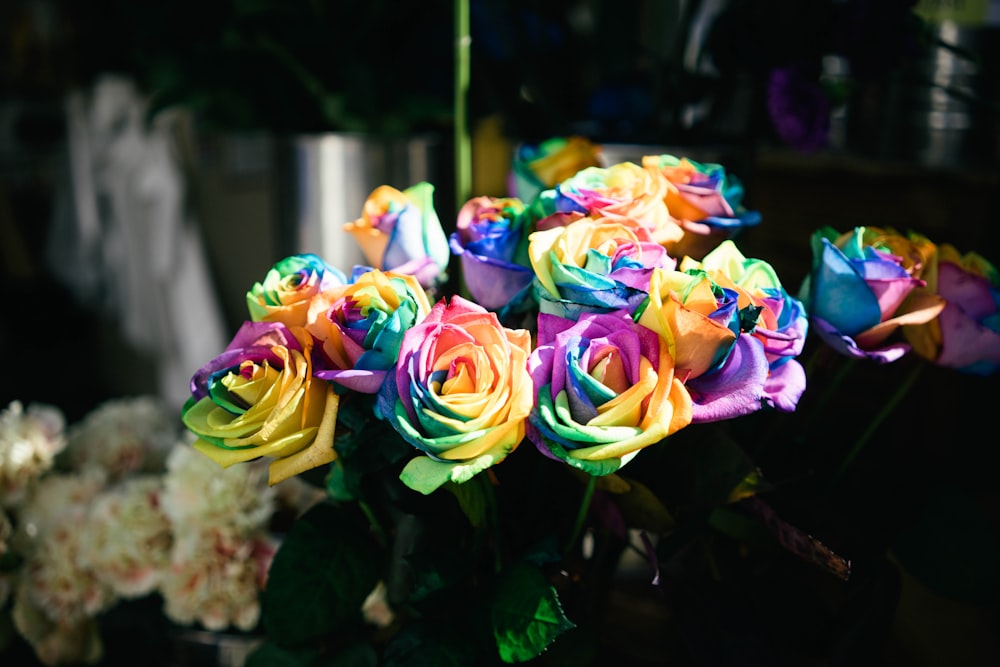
(581,515)
(873,425)
(373,521)
(492,517)
(463,149)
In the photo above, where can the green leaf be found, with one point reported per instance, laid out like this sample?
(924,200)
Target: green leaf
(427,475)
(525,614)
(429,645)
(642,509)
(323,571)
(472,499)
(435,571)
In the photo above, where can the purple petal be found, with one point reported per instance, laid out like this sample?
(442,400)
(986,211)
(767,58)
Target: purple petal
(845,345)
(733,390)
(785,385)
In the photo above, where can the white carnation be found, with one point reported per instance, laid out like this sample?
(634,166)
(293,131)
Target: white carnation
(198,494)
(129,540)
(57,499)
(123,436)
(57,643)
(29,441)
(216,577)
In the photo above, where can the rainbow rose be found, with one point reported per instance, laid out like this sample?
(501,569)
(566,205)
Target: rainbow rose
(593,265)
(538,167)
(605,388)
(259,398)
(781,323)
(863,287)
(707,202)
(359,327)
(623,190)
(965,335)
(461,393)
(288,286)
(491,239)
(401,232)
(702,327)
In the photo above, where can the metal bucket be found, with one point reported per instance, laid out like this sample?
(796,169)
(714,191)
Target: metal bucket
(322,182)
(941,109)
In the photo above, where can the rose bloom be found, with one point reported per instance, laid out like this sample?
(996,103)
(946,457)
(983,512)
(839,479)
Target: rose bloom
(359,327)
(288,287)
(594,266)
(491,240)
(460,394)
(400,231)
(259,398)
(623,190)
(707,202)
(860,291)
(605,389)
(30,439)
(538,167)
(767,313)
(965,335)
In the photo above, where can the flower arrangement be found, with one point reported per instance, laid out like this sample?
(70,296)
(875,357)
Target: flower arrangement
(606,417)
(118,508)
(594,392)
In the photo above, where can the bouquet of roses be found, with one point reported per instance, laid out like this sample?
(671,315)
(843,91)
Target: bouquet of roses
(489,457)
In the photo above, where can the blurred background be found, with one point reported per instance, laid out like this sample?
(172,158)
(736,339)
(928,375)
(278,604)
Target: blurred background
(157,158)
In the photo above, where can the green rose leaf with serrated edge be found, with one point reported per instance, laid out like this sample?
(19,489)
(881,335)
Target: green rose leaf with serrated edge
(320,577)
(526,614)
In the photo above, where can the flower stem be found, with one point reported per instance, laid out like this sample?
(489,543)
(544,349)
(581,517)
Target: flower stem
(873,425)
(581,515)
(373,522)
(492,516)
(831,388)
(463,151)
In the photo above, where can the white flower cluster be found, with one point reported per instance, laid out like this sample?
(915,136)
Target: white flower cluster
(29,441)
(122,437)
(222,549)
(120,506)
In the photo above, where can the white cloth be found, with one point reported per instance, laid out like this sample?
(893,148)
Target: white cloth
(124,239)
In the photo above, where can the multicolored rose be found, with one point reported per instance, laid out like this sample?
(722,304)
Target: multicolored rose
(863,286)
(965,335)
(284,294)
(707,202)
(538,167)
(605,388)
(259,398)
(623,190)
(400,231)
(359,327)
(757,305)
(594,266)
(461,393)
(491,240)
